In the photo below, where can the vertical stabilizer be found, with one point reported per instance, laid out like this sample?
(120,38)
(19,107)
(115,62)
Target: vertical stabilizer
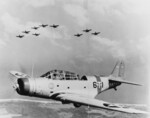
(118,70)
(117,75)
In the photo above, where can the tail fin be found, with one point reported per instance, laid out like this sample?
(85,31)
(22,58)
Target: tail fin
(118,74)
(118,70)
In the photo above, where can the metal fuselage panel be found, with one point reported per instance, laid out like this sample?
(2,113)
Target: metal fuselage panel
(45,87)
(105,83)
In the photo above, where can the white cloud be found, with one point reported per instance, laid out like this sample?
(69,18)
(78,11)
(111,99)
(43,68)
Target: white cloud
(11,24)
(142,48)
(64,31)
(92,59)
(40,3)
(77,12)
(139,7)
(111,46)
(55,36)
(2,43)
(104,6)
(117,7)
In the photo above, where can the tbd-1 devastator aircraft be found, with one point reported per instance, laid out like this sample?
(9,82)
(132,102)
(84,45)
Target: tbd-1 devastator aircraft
(69,87)
(36,34)
(54,26)
(20,36)
(78,35)
(26,32)
(35,28)
(43,25)
(87,30)
(95,33)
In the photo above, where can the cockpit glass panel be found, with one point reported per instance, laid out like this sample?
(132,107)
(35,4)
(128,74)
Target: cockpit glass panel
(83,78)
(61,75)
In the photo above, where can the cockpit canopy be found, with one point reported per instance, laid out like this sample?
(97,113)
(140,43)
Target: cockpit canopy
(61,75)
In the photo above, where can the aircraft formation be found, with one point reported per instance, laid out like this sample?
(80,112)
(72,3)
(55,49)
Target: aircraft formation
(36,28)
(87,31)
(54,26)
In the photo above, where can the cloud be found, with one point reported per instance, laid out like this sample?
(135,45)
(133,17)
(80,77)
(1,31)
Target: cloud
(56,37)
(105,7)
(65,32)
(2,43)
(93,59)
(10,26)
(111,46)
(140,48)
(78,13)
(121,9)
(40,3)
(139,7)
(10,23)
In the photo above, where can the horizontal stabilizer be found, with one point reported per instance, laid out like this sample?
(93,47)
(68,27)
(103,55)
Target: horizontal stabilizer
(124,81)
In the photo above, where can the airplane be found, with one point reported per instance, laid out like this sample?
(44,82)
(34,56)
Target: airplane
(96,33)
(87,30)
(70,88)
(78,35)
(36,34)
(20,36)
(54,26)
(43,25)
(26,32)
(35,28)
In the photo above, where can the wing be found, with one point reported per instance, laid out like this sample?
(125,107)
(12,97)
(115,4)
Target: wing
(83,100)
(19,74)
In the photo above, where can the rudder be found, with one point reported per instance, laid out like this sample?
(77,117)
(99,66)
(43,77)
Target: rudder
(118,70)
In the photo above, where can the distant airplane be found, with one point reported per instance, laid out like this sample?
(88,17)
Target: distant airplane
(87,30)
(96,33)
(54,26)
(78,35)
(20,36)
(69,87)
(44,25)
(36,34)
(26,32)
(35,28)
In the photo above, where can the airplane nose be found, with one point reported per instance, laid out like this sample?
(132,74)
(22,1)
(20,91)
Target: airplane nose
(23,86)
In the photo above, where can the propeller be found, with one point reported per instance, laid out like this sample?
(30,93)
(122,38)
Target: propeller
(26,70)
(22,69)
(14,85)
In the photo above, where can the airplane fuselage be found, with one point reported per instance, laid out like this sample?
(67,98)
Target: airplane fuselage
(45,87)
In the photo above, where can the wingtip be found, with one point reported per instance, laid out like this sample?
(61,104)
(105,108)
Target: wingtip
(12,72)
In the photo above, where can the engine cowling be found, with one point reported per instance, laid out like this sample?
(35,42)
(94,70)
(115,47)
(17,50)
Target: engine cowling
(23,86)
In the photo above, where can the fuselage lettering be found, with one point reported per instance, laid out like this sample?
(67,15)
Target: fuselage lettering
(97,84)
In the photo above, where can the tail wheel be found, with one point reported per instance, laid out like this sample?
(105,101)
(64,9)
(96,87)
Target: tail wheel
(77,105)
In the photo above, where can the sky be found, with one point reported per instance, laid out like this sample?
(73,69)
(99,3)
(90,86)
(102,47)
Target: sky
(125,35)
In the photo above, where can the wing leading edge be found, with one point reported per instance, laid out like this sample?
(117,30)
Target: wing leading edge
(97,103)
